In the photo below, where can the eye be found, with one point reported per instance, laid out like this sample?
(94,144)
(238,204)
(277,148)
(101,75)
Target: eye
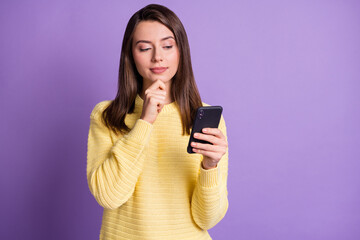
(144,49)
(168,47)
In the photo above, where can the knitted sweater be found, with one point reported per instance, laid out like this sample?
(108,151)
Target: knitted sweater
(147,183)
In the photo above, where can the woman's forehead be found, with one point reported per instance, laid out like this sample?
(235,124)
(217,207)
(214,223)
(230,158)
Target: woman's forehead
(152,31)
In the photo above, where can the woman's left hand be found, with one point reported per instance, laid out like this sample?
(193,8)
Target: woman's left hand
(212,153)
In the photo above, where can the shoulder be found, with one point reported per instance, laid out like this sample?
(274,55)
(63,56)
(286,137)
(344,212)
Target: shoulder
(99,108)
(205,104)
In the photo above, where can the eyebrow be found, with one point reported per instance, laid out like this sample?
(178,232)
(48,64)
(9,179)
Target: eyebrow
(145,41)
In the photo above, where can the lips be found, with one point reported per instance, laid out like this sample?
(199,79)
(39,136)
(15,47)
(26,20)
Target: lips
(158,69)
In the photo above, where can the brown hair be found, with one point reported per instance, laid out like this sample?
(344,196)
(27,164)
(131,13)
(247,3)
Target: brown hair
(183,87)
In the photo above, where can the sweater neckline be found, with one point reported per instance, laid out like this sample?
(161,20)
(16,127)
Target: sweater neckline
(139,102)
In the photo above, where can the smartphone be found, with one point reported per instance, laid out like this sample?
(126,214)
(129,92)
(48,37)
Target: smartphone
(206,117)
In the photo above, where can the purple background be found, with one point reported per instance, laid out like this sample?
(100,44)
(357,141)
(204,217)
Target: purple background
(286,72)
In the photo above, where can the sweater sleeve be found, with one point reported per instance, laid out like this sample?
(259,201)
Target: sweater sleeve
(114,168)
(209,200)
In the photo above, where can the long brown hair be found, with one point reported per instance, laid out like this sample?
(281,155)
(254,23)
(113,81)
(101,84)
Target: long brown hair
(183,87)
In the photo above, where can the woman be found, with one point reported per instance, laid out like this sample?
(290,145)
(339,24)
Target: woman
(138,168)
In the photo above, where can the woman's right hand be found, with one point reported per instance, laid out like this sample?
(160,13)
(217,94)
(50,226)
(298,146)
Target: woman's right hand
(154,101)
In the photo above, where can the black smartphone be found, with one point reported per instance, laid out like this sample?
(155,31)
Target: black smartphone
(206,117)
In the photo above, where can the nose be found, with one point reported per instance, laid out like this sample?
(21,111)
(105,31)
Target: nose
(157,57)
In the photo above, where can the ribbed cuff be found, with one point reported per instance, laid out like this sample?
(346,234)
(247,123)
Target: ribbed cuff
(209,178)
(141,130)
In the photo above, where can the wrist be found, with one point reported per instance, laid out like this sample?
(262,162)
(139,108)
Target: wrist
(207,167)
(147,120)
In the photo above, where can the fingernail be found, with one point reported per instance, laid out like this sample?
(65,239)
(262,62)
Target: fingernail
(196,135)
(193,144)
(205,130)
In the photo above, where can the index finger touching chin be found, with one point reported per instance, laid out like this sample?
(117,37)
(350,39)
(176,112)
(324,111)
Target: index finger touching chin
(161,84)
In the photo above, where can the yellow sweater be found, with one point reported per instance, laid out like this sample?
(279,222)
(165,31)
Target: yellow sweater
(147,183)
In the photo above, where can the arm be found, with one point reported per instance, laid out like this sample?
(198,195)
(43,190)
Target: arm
(114,168)
(209,201)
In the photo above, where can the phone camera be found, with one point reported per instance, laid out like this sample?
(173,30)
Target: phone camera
(201,114)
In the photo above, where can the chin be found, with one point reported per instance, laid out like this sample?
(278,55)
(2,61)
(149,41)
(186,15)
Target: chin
(163,79)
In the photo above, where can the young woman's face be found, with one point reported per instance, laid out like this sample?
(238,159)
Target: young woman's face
(155,52)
